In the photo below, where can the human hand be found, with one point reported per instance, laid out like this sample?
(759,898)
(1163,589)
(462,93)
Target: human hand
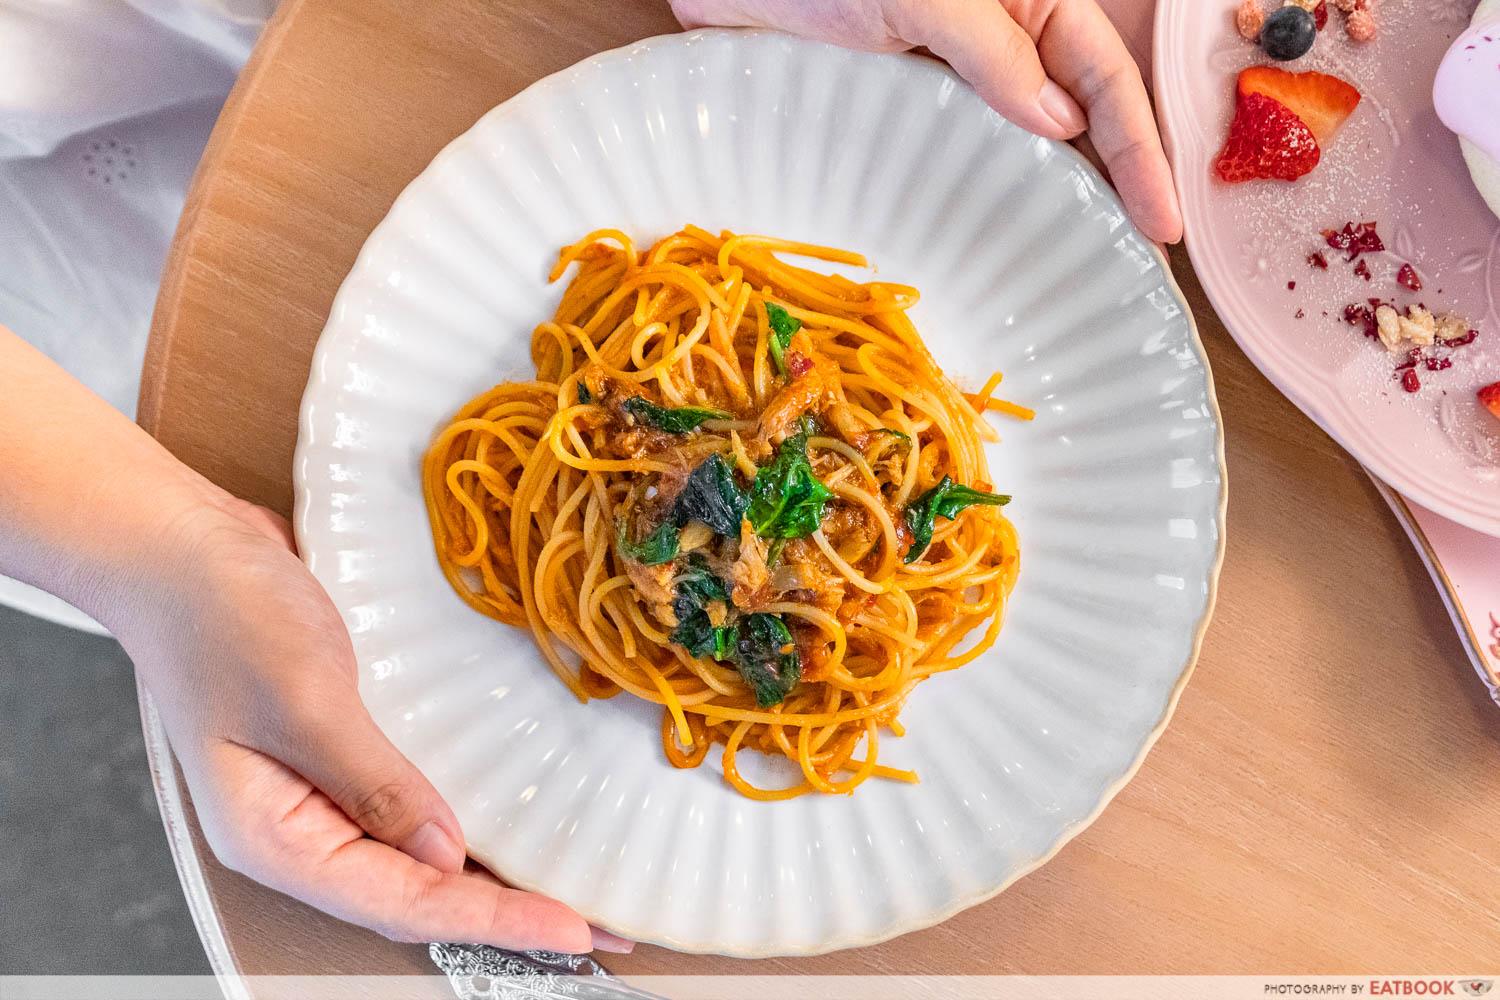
(1054,67)
(254,677)
(250,668)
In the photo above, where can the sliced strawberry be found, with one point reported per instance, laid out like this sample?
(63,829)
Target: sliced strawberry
(1490,397)
(1266,141)
(1323,102)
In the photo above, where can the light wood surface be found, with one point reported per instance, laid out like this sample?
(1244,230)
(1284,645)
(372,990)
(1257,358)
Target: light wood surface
(1327,798)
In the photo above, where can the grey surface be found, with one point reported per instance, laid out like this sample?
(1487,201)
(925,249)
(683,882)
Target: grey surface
(87,885)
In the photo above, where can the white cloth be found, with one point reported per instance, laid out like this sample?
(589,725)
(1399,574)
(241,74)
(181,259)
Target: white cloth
(104,109)
(105,106)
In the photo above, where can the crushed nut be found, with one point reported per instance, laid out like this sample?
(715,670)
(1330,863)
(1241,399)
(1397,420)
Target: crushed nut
(1451,327)
(1307,5)
(1388,326)
(1417,327)
(1248,20)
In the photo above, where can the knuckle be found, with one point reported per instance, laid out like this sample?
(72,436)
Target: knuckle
(1017,52)
(866,22)
(1124,153)
(897,19)
(411,918)
(1114,86)
(384,807)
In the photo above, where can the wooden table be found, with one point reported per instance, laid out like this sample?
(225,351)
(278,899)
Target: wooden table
(1327,799)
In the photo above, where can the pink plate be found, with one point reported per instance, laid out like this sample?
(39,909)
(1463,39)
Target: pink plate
(1393,163)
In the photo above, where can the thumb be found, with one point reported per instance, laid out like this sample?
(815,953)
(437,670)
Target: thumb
(346,756)
(998,58)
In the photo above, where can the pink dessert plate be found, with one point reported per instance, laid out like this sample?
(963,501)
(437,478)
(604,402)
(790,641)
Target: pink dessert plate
(1393,163)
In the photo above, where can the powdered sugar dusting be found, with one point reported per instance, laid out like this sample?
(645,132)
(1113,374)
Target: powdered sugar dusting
(1392,163)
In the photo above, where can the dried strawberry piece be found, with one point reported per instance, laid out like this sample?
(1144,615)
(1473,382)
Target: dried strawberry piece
(1410,382)
(1316,259)
(1438,364)
(1291,286)
(1357,315)
(1363,270)
(1408,277)
(1320,15)
(1461,340)
(1413,358)
(1356,239)
(1367,239)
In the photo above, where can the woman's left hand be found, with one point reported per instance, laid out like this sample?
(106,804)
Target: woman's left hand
(1054,67)
(254,677)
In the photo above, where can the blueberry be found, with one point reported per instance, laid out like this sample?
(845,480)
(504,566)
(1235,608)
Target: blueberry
(1288,33)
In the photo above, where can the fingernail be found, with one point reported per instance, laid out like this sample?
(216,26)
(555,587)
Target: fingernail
(1061,108)
(432,845)
(605,941)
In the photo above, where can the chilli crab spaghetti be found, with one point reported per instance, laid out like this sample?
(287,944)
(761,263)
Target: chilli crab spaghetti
(738,488)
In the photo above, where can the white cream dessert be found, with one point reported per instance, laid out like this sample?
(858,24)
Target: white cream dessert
(1466,94)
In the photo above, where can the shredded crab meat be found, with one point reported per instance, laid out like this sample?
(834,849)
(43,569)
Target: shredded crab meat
(749,574)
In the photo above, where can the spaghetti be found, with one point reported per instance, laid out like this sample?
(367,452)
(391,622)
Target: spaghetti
(737,488)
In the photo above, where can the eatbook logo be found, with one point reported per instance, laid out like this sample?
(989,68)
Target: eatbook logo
(1478,987)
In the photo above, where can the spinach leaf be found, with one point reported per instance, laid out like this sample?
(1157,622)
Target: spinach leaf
(658,547)
(712,496)
(696,633)
(786,500)
(584,396)
(946,499)
(697,587)
(673,421)
(773,552)
(783,325)
(766,658)
(760,645)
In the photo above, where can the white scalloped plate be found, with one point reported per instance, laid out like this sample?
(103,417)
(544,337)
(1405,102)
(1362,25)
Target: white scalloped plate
(1026,263)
